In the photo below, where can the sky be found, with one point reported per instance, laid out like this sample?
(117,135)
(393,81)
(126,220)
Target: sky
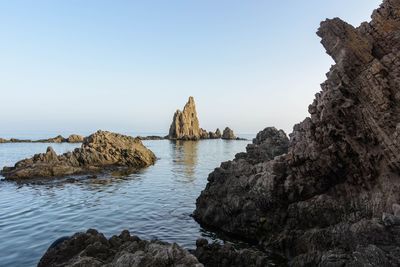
(78,66)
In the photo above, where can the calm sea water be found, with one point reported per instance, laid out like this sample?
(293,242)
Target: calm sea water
(154,203)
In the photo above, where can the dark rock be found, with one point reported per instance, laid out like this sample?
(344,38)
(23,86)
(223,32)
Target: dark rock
(216,255)
(152,137)
(101,150)
(321,203)
(93,249)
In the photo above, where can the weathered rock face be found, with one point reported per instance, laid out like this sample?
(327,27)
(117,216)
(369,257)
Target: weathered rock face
(185,124)
(93,249)
(322,202)
(74,138)
(99,151)
(228,134)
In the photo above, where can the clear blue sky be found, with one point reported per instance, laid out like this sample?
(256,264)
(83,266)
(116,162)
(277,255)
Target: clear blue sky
(79,66)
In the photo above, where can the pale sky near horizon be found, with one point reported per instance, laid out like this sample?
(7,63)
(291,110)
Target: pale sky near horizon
(78,66)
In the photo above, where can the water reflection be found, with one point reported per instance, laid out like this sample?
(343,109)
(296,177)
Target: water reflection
(184,159)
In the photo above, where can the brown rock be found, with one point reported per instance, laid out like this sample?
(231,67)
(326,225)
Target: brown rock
(185,124)
(321,203)
(101,150)
(75,138)
(228,134)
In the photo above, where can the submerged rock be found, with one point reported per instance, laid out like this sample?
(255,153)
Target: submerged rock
(101,150)
(321,203)
(93,249)
(185,124)
(228,134)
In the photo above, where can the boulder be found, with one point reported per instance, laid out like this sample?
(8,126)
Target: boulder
(185,124)
(101,150)
(75,138)
(93,249)
(228,134)
(215,135)
(321,203)
(2,140)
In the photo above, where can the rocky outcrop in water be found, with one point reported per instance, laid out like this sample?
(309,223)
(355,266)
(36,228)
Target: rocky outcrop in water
(228,134)
(185,124)
(101,150)
(93,249)
(73,138)
(328,200)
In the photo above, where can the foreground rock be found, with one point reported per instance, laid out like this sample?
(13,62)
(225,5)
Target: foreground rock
(101,150)
(328,200)
(93,249)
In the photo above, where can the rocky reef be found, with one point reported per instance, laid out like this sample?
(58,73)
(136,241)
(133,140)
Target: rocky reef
(99,151)
(330,197)
(93,249)
(73,138)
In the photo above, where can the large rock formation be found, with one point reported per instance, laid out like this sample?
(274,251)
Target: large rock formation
(101,150)
(93,249)
(322,202)
(185,124)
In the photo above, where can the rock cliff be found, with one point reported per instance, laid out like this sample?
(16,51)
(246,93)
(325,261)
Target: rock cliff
(101,150)
(322,202)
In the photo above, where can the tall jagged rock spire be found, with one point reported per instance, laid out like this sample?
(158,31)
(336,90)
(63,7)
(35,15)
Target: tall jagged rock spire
(185,124)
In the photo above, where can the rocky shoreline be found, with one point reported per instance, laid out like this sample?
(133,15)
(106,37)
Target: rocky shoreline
(329,198)
(94,249)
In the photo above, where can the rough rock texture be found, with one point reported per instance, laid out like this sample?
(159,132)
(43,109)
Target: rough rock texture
(99,151)
(75,138)
(93,249)
(228,134)
(185,124)
(322,202)
(216,255)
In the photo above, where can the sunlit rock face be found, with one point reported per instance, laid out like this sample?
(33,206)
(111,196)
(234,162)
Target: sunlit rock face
(99,151)
(185,124)
(322,202)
